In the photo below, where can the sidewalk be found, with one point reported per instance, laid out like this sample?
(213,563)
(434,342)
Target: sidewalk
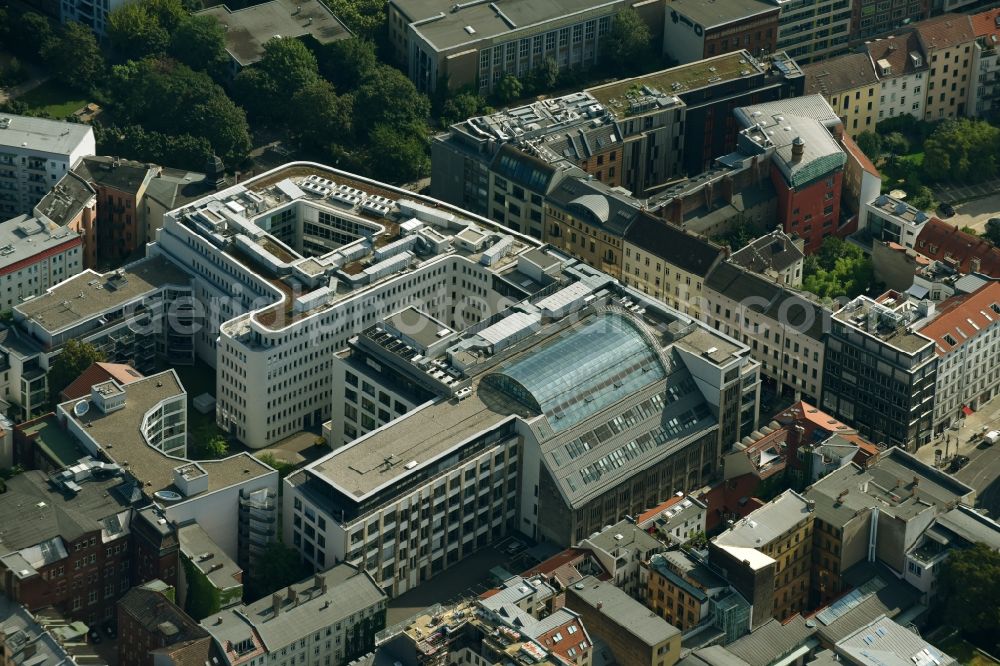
(957,441)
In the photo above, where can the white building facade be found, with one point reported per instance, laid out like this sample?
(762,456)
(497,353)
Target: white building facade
(34,154)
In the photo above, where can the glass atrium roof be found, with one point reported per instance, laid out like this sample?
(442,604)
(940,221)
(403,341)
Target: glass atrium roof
(582,371)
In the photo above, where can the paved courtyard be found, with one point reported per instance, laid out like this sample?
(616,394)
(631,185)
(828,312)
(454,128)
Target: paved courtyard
(975,213)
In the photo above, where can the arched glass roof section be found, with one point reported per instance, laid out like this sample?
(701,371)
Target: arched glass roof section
(582,371)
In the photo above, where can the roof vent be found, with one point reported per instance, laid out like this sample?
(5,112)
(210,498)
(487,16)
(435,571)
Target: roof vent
(469,29)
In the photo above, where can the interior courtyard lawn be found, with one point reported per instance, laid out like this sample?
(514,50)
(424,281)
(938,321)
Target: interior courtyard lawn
(53,99)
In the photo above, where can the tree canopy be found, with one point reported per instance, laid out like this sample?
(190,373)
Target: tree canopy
(73,56)
(277,567)
(627,45)
(265,89)
(969,587)
(870,144)
(963,150)
(346,63)
(135,31)
(838,269)
(74,358)
(200,43)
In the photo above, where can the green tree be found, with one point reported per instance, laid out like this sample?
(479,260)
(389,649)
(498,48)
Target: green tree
(969,588)
(33,31)
(388,97)
(922,197)
(627,45)
(838,269)
(346,63)
(284,468)
(136,143)
(169,13)
(277,567)
(508,89)
(895,143)
(74,57)
(401,151)
(74,358)
(544,77)
(135,32)
(870,144)
(462,105)
(210,448)
(200,43)
(320,118)
(365,18)
(224,125)
(286,67)
(992,233)
(962,150)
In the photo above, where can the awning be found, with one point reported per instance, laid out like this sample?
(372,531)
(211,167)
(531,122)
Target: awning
(968,411)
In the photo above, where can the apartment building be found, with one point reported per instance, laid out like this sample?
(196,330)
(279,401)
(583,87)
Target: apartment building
(966,253)
(675,521)
(326,620)
(515,452)
(871,18)
(811,30)
(680,588)
(475,46)
(135,426)
(34,154)
(209,578)
(807,163)
(880,371)
(631,632)
(901,70)
(986,64)
(851,85)
(875,514)
(622,549)
(248,29)
(776,255)
(668,263)
(948,42)
(34,255)
(890,220)
(964,329)
(137,315)
(588,220)
(66,541)
(695,30)
(486,632)
(768,556)
(784,328)
(152,629)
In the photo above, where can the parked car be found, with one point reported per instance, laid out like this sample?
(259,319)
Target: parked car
(514,547)
(992,437)
(958,462)
(946,210)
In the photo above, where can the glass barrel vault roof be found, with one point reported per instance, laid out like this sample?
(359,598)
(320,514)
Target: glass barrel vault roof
(582,371)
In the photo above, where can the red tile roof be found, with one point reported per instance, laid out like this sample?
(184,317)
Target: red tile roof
(962,317)
(984,24)
(576,639)
(896,50)
(651,514)
(97,373)
(944,242)
(945,31)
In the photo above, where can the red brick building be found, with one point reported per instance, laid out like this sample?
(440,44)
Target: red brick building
(68,541)
(153,629)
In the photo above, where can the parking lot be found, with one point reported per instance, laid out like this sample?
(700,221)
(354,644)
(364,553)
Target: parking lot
(963,192)
(466,579)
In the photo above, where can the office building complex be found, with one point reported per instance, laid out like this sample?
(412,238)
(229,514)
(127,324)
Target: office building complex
(639,133)
(34,154)
(811,31)
(871,18)
(880,372)
(441,43)
(326,620)
(654,393)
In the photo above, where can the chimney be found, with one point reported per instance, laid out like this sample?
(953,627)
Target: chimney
(293,596)
(798,147)
(321,583)
(275,604)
